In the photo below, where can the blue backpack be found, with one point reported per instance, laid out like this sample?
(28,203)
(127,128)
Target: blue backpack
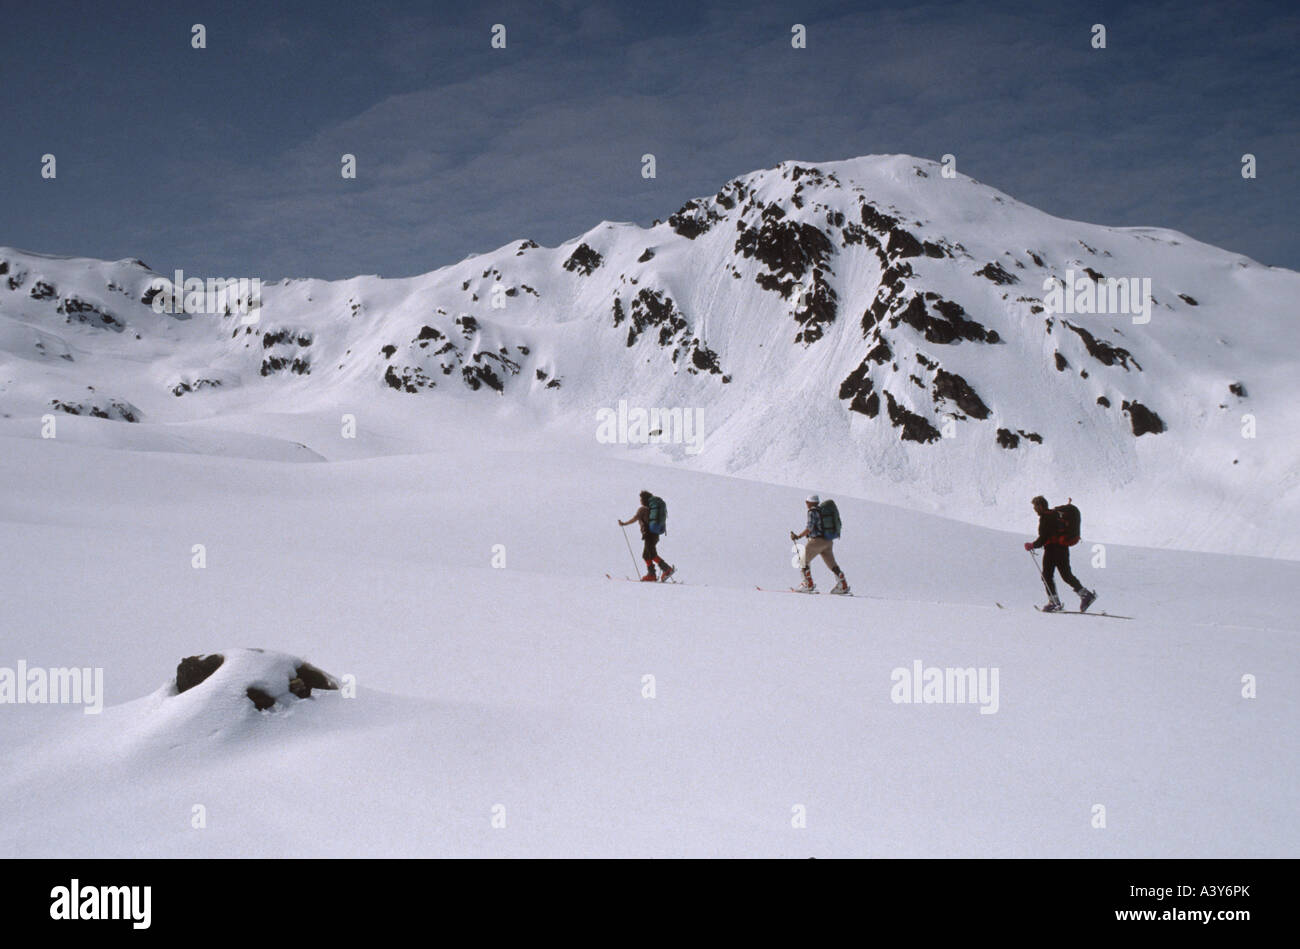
(658,516)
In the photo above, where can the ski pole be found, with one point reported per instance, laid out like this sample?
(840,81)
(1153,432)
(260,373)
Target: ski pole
(629,548)
(1042,576)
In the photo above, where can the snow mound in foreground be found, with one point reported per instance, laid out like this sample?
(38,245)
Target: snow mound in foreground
(226,693)
(229,704)
(251,701)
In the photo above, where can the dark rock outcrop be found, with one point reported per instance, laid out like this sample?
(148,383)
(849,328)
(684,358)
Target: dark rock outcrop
(1103,352)
(1142,419)
(994,271)
(117,410)
(194,669)
(652,308)
(915,428)
(785,248)
(80,311)
(693,219)
(583,260)
(946,326)
(480,375)
(410,379)
(261,699)
(955,389)
(186,386)
(857,388)
(273,364)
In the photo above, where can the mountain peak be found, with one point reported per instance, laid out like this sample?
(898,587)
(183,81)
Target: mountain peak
(871,325)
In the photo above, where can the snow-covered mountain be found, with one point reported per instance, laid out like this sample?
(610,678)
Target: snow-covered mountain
(867,327)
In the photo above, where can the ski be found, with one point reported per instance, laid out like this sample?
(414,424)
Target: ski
(804,592)
(1081,613)
(638,580)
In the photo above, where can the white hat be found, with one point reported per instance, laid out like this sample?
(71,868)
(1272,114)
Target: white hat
(812,499)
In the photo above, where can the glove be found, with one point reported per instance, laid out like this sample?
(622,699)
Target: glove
(1028,546)
(794,536)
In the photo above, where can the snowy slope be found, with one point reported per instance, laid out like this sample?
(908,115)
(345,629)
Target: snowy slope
(522,686)
(924,315)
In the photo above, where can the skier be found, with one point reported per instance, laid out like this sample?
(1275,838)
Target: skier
(1052,537)
(822,530)
(652,515)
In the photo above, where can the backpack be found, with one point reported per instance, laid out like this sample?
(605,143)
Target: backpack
(831,524)
(657,520)
(1071,521)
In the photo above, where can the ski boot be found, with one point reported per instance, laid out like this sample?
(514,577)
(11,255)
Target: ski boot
(666,571)
(842,587)
(1086,598)
(807,586)
(1053,605)
(649,577)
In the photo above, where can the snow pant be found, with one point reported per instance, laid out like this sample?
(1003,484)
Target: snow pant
(650,549)
(820,547)
(1057,557)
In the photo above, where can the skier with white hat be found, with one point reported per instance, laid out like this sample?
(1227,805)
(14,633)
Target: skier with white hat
(822,530)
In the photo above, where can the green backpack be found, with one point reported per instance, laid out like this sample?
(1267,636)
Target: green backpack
(831,524)
(658,516)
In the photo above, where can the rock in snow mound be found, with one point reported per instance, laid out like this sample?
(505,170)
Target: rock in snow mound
(273,677)
(266,678)
(220,707)
(224,697)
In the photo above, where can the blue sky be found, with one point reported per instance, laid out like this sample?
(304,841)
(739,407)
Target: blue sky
(226,160)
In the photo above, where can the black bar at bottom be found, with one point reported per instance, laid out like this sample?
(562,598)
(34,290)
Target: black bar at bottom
(311,899)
